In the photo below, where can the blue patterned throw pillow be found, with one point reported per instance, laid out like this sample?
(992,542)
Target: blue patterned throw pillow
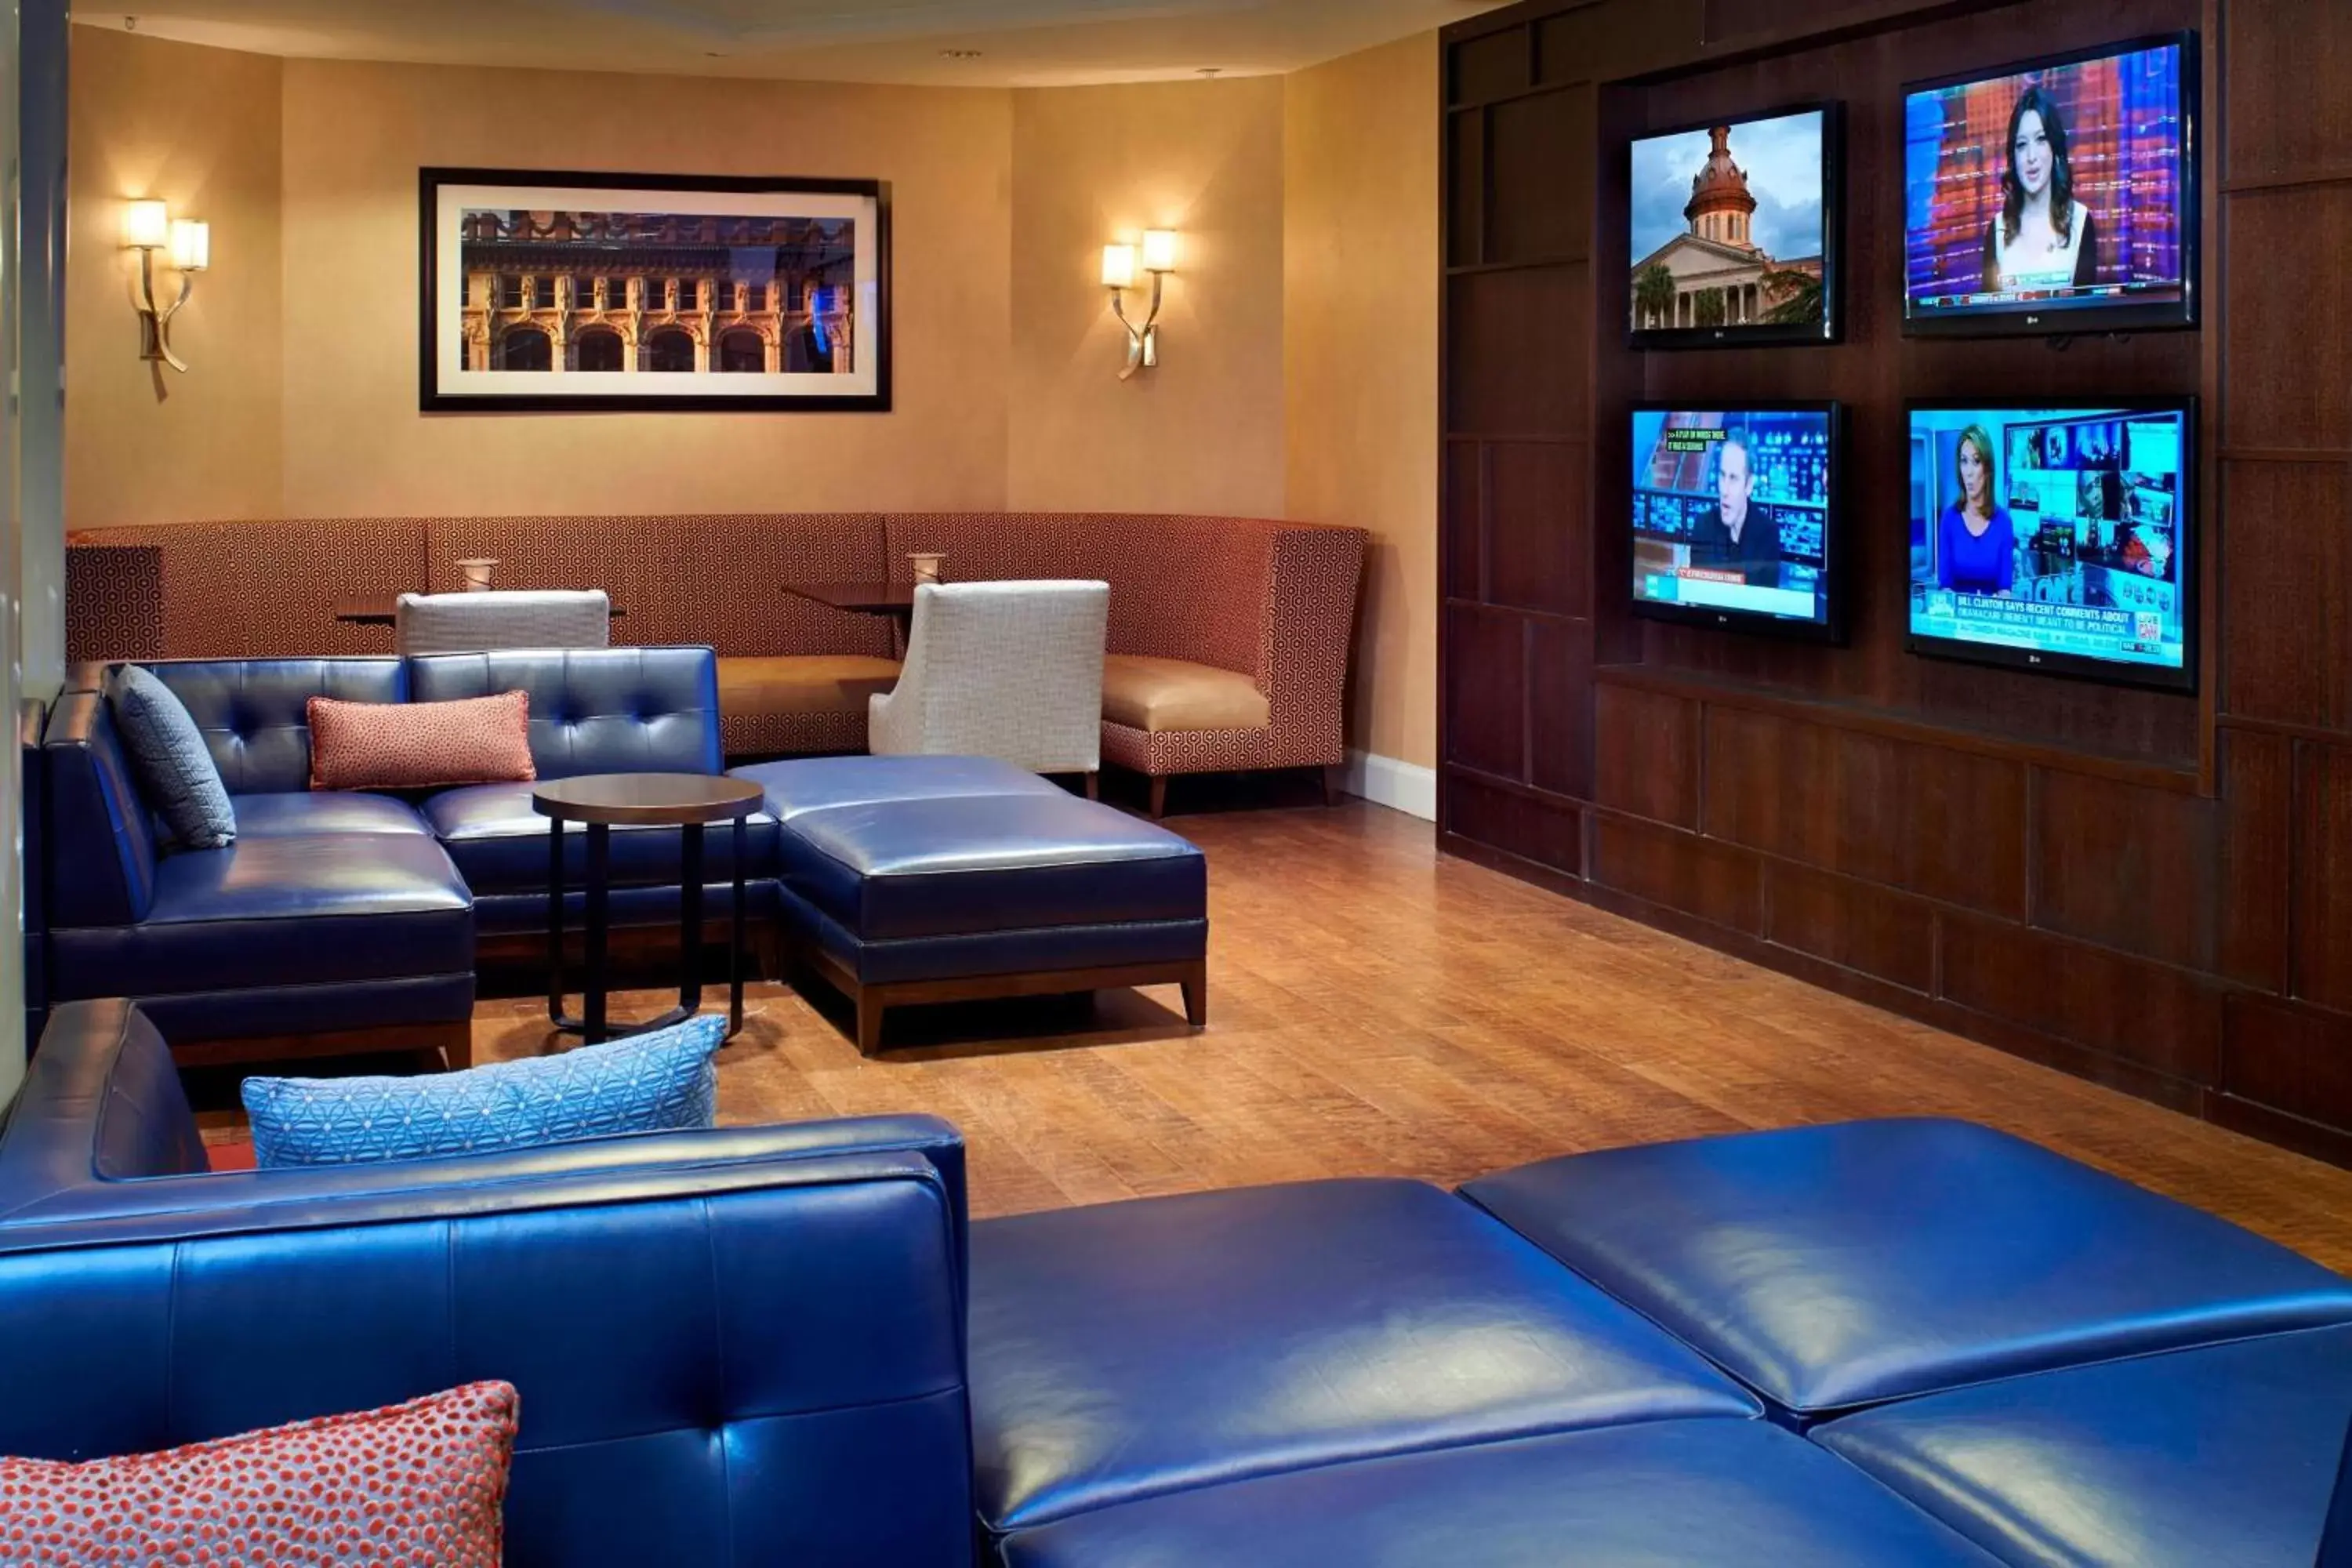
(175,767)
(657,1082)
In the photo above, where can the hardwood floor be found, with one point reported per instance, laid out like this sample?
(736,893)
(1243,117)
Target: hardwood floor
(1377,1009)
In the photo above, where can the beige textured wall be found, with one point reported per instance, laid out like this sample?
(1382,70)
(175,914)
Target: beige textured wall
(1202,433)
(199,128)
(355,135)
(1359,356)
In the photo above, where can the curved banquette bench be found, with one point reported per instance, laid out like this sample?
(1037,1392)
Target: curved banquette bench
(1228,643)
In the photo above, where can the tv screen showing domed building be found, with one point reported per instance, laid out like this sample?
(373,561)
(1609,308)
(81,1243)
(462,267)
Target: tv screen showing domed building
(1732,228)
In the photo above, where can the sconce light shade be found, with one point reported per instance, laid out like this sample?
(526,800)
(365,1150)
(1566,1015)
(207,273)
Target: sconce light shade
(1160,250)
(1119,266)
(146,225)
(191,245)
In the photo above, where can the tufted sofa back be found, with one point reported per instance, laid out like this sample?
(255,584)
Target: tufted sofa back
(254,712)
(595,710)
(738,1346)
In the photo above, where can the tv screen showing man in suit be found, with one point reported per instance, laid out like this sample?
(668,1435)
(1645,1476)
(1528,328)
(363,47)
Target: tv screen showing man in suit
(1731,511)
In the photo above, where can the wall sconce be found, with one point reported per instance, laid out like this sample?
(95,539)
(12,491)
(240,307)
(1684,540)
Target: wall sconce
(148,227)
(1118,276)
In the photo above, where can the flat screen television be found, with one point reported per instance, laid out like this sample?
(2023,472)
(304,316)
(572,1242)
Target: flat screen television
(1735,517)
(2054,196)
(2057,539)
(1735,231)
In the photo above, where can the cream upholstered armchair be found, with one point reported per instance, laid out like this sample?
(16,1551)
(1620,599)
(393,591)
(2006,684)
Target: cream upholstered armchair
(1001,669)
(476,623)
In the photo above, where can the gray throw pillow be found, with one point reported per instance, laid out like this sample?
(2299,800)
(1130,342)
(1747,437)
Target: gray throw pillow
(169,757)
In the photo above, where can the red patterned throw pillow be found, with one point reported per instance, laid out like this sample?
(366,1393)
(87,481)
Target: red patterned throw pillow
(420,745)
(423,1482)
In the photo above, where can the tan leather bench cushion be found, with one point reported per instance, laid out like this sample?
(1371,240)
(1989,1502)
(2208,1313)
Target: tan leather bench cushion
(802,683)
(1156,694)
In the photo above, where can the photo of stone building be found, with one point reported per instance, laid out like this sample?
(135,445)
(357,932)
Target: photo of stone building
(657,294)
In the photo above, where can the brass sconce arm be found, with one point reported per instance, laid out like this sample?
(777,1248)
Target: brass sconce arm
(156,322)
(1142,342)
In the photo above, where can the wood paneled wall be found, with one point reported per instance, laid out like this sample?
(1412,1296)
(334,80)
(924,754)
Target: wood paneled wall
(2152,890)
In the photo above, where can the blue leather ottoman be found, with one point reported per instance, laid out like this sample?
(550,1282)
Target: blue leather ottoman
(920,878)
(1831,1268)
(1662,1494)
(1161,1344)
(2223,1454)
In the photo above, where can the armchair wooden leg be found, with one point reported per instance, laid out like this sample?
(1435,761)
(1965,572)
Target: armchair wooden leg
(1159,797)
(456,1043)
(1094,786)
(1196,997)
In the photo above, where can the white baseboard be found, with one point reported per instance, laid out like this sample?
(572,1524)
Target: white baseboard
(1384,781)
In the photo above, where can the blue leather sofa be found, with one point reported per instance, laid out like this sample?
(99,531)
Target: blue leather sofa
(736,1346)
(784,1344)
(338,919)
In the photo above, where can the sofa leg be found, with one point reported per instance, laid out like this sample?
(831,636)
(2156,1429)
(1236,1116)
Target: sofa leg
(457,1045)
(870,1021)
(1159,797)
(1196,997)
(1094,786)
(1323,778)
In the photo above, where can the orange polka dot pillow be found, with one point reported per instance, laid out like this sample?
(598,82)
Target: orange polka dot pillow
(420,745)
(423,1482)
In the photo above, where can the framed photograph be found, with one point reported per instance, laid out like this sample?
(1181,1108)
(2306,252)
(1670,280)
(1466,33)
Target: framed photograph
(566,292)
(1734,227)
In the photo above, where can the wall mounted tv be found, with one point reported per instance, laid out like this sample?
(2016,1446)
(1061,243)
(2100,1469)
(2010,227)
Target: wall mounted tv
(2054,196)
(1736,517)
(1734,232)
(2056,539)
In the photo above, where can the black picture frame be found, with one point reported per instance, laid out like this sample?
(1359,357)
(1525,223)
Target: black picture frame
(1830,328)
(434,395)
(1831,630)
(2186,545)
(2077,317)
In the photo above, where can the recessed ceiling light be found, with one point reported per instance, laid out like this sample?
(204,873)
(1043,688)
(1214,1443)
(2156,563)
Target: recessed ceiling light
(960,53)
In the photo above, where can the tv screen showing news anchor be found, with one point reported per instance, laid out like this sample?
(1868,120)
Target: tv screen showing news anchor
(2057,196)
(1732,515)
(2053,538)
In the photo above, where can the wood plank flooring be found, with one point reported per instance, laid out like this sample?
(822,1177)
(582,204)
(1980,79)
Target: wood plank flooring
(1377,1009)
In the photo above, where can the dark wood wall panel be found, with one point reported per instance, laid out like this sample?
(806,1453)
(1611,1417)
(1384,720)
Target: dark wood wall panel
(2152,889)
(2286,580)
(1649,768)
(2162,1019)
(1681,871)
(1538,552)
(1522,371)
(1535,141)
(1486,690)
(2295,297)
(2286,66)
(1852,924)
(2125,866)
(2322,918)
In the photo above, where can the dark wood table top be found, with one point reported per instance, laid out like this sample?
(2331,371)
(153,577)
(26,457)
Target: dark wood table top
(874,598)
(381,610)
(667,800)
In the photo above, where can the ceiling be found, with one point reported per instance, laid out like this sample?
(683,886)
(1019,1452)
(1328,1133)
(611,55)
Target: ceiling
(1019,43)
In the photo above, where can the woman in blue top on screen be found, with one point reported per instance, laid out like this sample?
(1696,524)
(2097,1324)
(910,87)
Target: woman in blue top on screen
(2044,238)
(1976,544)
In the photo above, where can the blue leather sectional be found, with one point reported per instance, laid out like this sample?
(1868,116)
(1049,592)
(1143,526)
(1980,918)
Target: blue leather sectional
(341,919)
(1911,1342)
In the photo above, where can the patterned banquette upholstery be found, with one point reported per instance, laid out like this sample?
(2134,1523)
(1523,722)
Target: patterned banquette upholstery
(1254,615)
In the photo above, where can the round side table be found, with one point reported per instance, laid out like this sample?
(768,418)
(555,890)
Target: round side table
(602,802)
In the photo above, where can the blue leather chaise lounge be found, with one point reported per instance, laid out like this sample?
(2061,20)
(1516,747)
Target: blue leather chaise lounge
(341,920)
(1905,1344)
